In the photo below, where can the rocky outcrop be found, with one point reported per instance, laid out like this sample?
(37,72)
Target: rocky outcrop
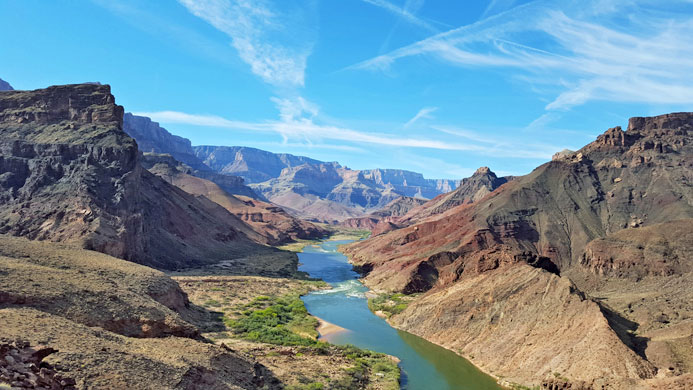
(661,249)
(562,384)
(152,138)
(318,190)
(549,221)
(22,367)
(5,86)
(69,173)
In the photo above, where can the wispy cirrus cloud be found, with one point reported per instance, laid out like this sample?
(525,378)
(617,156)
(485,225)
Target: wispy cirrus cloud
(496,6)
(618,50)
(290,146)
(300,127)
(266,35)
(423,113)
(407,13)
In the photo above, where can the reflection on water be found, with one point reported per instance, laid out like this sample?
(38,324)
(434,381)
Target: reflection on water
(425,366)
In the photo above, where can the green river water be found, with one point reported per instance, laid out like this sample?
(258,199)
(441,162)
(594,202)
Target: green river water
(425,366)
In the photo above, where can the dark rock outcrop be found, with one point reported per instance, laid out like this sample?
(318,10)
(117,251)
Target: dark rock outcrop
(69,173)
(22,367)
(152,138)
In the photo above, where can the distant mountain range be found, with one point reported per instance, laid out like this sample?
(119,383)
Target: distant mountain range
(405,211)
(305,187)
(325,191)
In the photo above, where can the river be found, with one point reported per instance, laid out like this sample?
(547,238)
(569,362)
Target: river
(424,365)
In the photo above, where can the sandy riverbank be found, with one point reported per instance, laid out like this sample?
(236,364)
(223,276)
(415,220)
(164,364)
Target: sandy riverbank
(326,329)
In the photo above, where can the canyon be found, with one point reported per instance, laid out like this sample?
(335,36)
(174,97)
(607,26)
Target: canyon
(89,221)
(576,275)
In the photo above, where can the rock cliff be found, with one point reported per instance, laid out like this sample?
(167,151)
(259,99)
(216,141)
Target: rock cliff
(152,138)
(69,173)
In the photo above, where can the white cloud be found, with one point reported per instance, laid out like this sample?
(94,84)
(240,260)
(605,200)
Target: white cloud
(290,146)
(423,113)
(304,129)
(496,6)
(466,134)
(543,121)
(269,41)
(407,13)
(197,120)
(295,109)
(587,50)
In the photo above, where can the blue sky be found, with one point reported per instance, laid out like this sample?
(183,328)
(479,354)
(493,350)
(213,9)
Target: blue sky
(438,87)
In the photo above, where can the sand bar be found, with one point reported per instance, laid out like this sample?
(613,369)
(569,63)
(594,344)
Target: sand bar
(327,328)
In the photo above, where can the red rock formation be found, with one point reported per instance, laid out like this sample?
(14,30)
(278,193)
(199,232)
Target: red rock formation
(540,225)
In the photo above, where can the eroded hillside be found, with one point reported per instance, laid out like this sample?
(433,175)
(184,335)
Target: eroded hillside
(517,270)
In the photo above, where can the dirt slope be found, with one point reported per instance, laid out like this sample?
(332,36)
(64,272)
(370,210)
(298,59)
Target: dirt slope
(107,323)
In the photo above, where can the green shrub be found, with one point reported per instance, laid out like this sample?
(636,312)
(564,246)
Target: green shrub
(307,386)
(390,304)
(282,321)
